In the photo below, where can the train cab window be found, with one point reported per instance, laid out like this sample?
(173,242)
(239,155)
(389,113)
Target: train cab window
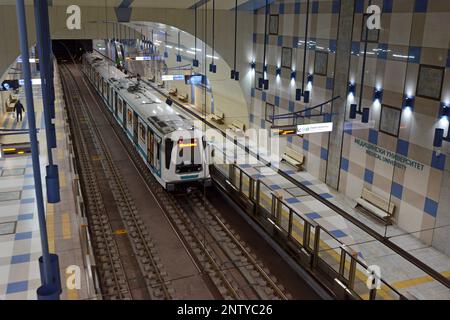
(120,106)
(188,156)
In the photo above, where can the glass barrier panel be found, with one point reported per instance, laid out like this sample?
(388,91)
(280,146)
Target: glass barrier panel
(245,189)
(386,293)
(236,177)
(312,235)
(348,261)
(265,197)
(283,218)
(220,163)
(360,285)
(329,250)
(298,228)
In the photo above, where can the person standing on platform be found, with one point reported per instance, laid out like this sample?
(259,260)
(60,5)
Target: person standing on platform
(19,108)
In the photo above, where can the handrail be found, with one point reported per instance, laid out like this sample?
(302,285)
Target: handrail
(344,252)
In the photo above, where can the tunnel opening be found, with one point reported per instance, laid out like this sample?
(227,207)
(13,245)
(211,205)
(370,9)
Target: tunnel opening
(64,49)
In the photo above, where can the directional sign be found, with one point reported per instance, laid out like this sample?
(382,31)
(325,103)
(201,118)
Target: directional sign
(148,58)
(315,128)
(173,77)
(34,82)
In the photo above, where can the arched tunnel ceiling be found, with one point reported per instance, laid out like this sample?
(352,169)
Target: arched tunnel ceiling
(172,4)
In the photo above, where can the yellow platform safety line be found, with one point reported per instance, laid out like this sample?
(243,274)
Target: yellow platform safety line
(62,179)
(326,248)
(66,226)
(59,136)
(60,154)
(50,222)
(72,294)
(416,281)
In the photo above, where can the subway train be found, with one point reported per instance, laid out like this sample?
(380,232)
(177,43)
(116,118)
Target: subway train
(174,150)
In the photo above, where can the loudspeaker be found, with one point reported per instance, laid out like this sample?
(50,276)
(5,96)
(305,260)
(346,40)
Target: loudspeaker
(236,75)
(260,83)
(298,94)
(195,63)
(438,138)
(365,115)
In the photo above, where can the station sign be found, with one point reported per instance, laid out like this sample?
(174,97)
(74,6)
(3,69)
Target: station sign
(315,128)
(173,77)
(31,60)
(148,58)
(291,131)
(34,82)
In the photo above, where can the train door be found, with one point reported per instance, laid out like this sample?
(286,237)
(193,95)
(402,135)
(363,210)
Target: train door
(135,128)
(150,148)
(124,115)
(154,151)
(110,96)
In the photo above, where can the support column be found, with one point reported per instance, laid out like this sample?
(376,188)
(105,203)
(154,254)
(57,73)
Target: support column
(46,71)
(342,66)
(48,291)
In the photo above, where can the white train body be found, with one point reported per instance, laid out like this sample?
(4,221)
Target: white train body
(173,149)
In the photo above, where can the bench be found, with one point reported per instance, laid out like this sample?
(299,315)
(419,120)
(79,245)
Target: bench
(160,84)
(173,92)
(294,158)
(183,97)
(237,126)
(218,118)
(376,205)
(10,103)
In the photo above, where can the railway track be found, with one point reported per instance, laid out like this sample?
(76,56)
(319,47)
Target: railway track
(97,166)
(233,271)
(231,255)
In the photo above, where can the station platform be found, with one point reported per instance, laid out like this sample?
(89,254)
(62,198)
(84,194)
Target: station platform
(20,246)
(398,274)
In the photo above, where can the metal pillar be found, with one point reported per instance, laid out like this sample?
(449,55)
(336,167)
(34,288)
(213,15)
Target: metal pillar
(47,291)
(44,49)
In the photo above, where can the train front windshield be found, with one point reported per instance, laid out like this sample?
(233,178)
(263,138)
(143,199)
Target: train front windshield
(188,156)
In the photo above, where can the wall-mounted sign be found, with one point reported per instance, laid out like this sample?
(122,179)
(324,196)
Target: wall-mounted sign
(149,58)
(315,128)
(173,77)
(387,156)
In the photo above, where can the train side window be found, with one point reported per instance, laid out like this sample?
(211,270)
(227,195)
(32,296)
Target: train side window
(142,131)
(130,117)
